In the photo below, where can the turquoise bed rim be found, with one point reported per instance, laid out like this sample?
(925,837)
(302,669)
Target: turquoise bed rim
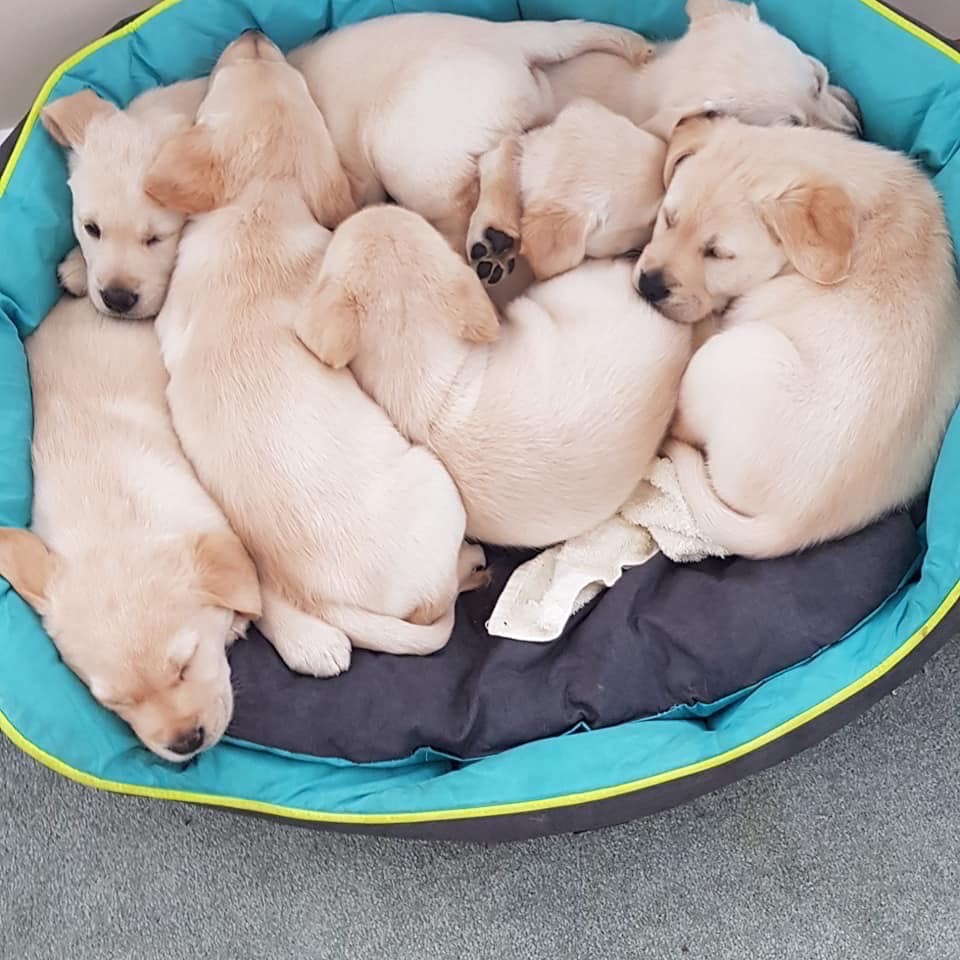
(908,85)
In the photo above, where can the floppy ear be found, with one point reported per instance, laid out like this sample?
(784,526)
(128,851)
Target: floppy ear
(27,564)
(323,179)
(227,575)
(470,312)
(67,119)
(816,225)
(187,175)
(700,10)
(690,136)
(329,326)
(553,239)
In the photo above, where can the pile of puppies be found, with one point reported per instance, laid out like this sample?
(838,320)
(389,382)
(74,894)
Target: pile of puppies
(331,409)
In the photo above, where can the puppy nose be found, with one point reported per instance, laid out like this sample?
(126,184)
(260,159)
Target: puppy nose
(119,299)
(189,742)
(652,286)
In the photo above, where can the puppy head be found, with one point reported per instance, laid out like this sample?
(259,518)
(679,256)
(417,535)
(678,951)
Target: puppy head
(591,188)
(739,210)
(257,123)
(388,273)
(128,240)
(146,628)
(730,57)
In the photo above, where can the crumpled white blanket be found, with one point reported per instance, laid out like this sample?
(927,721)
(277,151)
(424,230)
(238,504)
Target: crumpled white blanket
(545,592)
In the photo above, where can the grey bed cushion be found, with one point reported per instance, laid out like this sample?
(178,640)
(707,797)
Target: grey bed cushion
(665,635)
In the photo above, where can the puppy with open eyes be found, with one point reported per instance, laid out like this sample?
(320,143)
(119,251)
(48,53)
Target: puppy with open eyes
(547,421)
(821,401)
(357,535)
(127,242)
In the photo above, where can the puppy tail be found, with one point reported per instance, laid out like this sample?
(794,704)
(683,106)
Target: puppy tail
(385,634)
(544,43)
(757,537)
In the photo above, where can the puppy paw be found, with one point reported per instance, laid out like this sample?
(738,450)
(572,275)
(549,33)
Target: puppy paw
(321,652)
(493,253)
(72,273)
(471,568)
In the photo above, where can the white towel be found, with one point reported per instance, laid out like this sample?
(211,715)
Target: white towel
(543,593)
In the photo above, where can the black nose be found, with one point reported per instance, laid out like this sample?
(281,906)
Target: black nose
(119,299)
(652,287)
(189,742)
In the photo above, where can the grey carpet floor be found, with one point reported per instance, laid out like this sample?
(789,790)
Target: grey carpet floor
(849,851)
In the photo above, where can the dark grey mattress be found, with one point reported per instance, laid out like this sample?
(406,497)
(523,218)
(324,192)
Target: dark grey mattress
(665,635)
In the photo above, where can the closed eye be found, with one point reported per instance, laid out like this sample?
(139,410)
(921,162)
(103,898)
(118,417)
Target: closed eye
(712,252)
(151,240)
(669,219)
(92,230)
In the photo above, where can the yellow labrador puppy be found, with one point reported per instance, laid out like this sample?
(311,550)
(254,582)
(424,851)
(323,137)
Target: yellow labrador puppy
(139,580)
(357,535)
(127,242)
(728,57)
(589,184)
(435,92)
(821,402)
(547,421)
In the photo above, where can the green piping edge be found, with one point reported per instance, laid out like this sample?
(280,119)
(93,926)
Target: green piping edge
(506,809)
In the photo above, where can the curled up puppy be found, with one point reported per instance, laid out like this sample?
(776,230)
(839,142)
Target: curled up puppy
(546,421)
(357,534)
(589,184)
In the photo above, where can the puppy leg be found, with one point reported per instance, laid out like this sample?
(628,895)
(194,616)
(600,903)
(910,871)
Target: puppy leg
(72,273)
(305,643)
(493,236)
(472,571)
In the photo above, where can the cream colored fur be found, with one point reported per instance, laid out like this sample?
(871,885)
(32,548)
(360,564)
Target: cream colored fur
(139,580)
(589,184)
(821,402)
(126,240)
(357,534)
(435,92)
(547,420)
(729,58)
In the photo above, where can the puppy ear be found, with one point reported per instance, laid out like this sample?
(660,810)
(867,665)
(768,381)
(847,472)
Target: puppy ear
(329,326)
(553,239)
(227,575)
(67,119)
(27,564)
(689,136)
(700,10)
(187,175)
(816,225)
(471,313)
(325,185)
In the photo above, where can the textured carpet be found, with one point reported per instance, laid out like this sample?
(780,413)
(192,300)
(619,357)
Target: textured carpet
(849,851)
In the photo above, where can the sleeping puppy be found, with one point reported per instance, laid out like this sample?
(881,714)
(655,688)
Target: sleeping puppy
(357,535)
(547,421)
(728,57)
(127,242)
(589,184)
(822,401)
(435,93)
(137,576)
(728,60)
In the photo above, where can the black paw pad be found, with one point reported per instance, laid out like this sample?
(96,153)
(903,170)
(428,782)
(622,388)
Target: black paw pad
(484,268)
(497,274)
(500,241)
(478,251)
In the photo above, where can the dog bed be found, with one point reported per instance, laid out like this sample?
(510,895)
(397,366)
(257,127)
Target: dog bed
(674,682)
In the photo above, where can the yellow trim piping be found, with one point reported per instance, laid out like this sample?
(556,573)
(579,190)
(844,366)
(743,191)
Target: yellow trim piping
(912,28)
(69,64)
(506,809)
